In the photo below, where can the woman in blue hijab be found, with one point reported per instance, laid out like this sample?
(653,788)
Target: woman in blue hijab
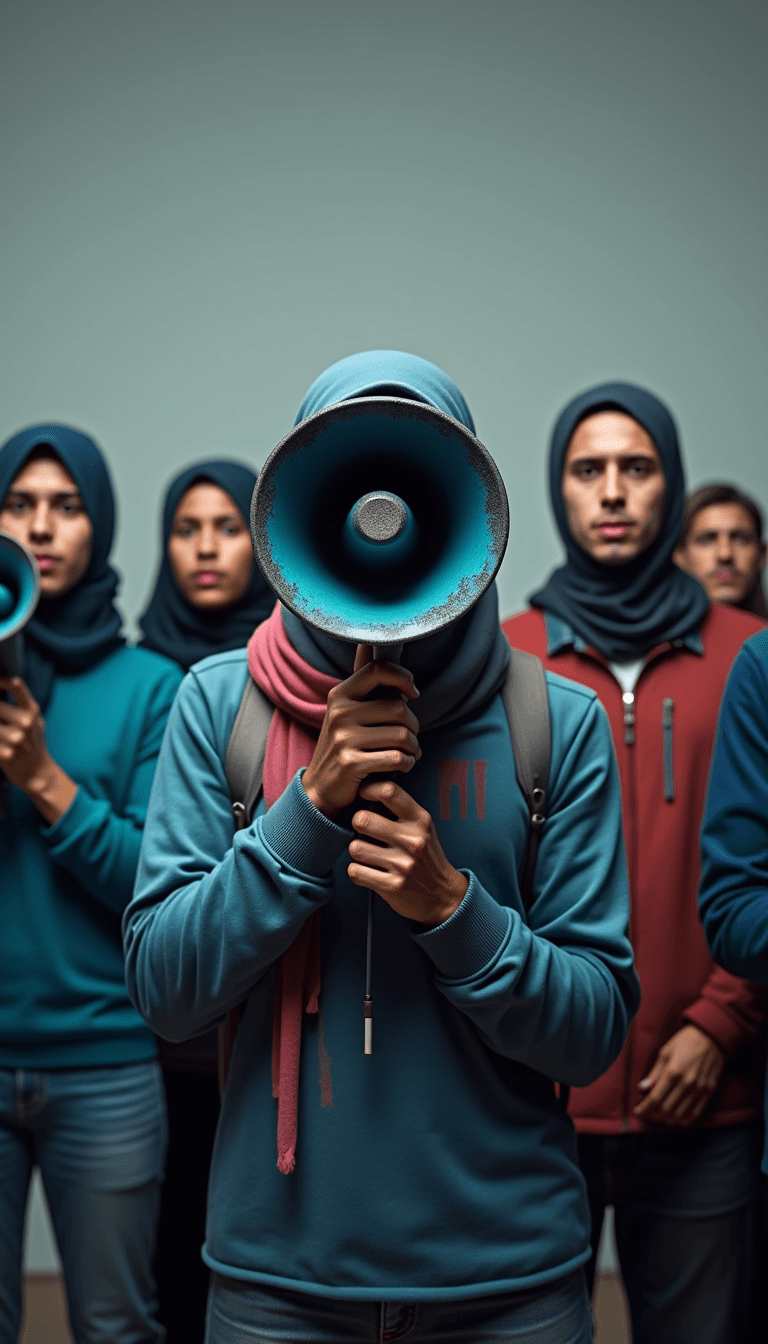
(80,1090)
(208,597)
(210,593)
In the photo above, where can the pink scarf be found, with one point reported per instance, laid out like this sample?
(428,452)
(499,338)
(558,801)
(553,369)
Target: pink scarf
(299,695)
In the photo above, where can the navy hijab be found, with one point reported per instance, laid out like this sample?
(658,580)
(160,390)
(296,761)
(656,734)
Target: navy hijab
(173,625)
(70,633)
(459,669)
(624,610)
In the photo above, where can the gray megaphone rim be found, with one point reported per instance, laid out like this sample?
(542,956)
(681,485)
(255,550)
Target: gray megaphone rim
(303,434)
(9,542)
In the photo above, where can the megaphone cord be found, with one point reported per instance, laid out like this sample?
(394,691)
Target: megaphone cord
(368,1000)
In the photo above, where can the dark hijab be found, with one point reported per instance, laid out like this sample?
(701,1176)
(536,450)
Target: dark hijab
(624,610)
(459,669)
(173,625)
(73,632)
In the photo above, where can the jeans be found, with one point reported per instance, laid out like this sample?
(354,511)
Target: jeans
(98,1136)
(684,1206)
(247,1313)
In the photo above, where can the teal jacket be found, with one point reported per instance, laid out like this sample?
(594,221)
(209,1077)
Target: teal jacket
(442,1166)
(63,888)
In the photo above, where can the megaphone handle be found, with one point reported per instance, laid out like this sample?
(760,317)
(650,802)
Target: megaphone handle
(382,653)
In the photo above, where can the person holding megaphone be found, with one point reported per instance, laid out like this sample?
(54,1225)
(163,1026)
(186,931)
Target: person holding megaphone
(80,1090)
(429,1188)
(208,596)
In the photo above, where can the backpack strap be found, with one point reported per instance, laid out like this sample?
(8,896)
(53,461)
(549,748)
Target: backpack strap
(244,768)
(244,763)
(526,703)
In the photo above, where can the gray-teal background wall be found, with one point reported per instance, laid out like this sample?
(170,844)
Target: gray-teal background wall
(204,204)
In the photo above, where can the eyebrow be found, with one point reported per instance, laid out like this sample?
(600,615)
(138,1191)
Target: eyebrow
(15,493)
(234,516)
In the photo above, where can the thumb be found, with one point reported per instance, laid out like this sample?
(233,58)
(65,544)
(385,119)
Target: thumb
(363,655)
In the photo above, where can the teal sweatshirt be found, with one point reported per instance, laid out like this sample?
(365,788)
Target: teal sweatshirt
(441,1166)
(733,891)
(63,888)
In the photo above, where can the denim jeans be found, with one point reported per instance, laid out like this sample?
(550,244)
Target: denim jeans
(98,1136)
(247,1313)
(684,1206)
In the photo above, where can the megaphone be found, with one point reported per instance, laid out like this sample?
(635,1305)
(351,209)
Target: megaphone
(379,520)
(19,596)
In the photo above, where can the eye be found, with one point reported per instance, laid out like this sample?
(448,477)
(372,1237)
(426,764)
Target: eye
(586,471)
(230,529)
(640,467)
(183,530)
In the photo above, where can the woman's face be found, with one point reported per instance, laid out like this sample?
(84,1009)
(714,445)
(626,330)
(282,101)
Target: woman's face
(210,547)
(44,511)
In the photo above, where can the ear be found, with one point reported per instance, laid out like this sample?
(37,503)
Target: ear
(678,555)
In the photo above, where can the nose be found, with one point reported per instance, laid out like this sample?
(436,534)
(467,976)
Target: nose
(206,542)
(724,548)
(40,524)
(614,494)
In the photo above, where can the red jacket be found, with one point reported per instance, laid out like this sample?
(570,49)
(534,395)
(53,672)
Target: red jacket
(663,737)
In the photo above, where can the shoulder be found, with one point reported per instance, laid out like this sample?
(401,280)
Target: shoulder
(576,715)
(526,630)
(210,695)
(142,671)
(751,665)
(727,628)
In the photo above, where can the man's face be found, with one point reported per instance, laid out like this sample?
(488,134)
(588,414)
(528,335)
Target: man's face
(613,487)
(724,552)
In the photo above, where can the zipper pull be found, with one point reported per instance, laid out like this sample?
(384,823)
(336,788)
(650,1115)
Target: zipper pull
(629,717)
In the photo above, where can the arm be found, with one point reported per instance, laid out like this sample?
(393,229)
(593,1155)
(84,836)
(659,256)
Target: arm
(556,993)
(733,894)
(214,910)
(87,836)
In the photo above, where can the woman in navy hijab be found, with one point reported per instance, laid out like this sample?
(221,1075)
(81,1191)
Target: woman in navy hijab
(208,597)
(80,1088)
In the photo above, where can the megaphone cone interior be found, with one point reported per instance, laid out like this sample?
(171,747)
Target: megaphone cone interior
(379,520)
(19,586)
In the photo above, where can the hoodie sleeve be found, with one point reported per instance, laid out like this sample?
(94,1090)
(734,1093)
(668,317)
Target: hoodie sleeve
(557,992)
(96,840)
(214,909)
(733,893)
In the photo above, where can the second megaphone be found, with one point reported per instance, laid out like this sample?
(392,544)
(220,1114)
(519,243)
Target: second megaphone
(380,520)
(19,596)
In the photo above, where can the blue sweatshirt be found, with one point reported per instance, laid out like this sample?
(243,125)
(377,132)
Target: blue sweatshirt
(733,892)
(442,1166)
(63,888)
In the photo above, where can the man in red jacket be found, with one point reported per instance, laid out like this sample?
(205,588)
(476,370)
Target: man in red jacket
(668,1134)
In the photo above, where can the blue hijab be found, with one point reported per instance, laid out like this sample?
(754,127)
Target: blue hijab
(624,610)
(173,625)
(459,669)
(70,633)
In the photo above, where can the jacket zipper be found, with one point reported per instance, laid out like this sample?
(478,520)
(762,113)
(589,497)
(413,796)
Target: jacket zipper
(628,698)
(667,713)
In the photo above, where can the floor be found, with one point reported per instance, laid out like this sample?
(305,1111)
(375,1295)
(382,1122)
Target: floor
(45,1320)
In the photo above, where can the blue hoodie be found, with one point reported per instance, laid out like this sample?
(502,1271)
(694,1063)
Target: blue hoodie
(733,892)
(442,1166)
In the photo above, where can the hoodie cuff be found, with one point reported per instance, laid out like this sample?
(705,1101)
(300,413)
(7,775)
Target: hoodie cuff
(709,1017)
(300,836)
(79,817)
(472,937)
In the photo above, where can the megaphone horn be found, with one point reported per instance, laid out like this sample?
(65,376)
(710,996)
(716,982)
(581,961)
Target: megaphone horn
(379,520)
(19,596)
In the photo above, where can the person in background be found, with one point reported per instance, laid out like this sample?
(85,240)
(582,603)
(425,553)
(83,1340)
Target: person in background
(431,1190)
(668,1134)
(722,544)
(80,1089)
(208,597)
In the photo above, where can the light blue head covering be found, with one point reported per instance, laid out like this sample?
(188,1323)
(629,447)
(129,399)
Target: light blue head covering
(457,669)
(386,373)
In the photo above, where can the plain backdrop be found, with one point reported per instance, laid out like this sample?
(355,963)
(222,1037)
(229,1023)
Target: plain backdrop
(204,204)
